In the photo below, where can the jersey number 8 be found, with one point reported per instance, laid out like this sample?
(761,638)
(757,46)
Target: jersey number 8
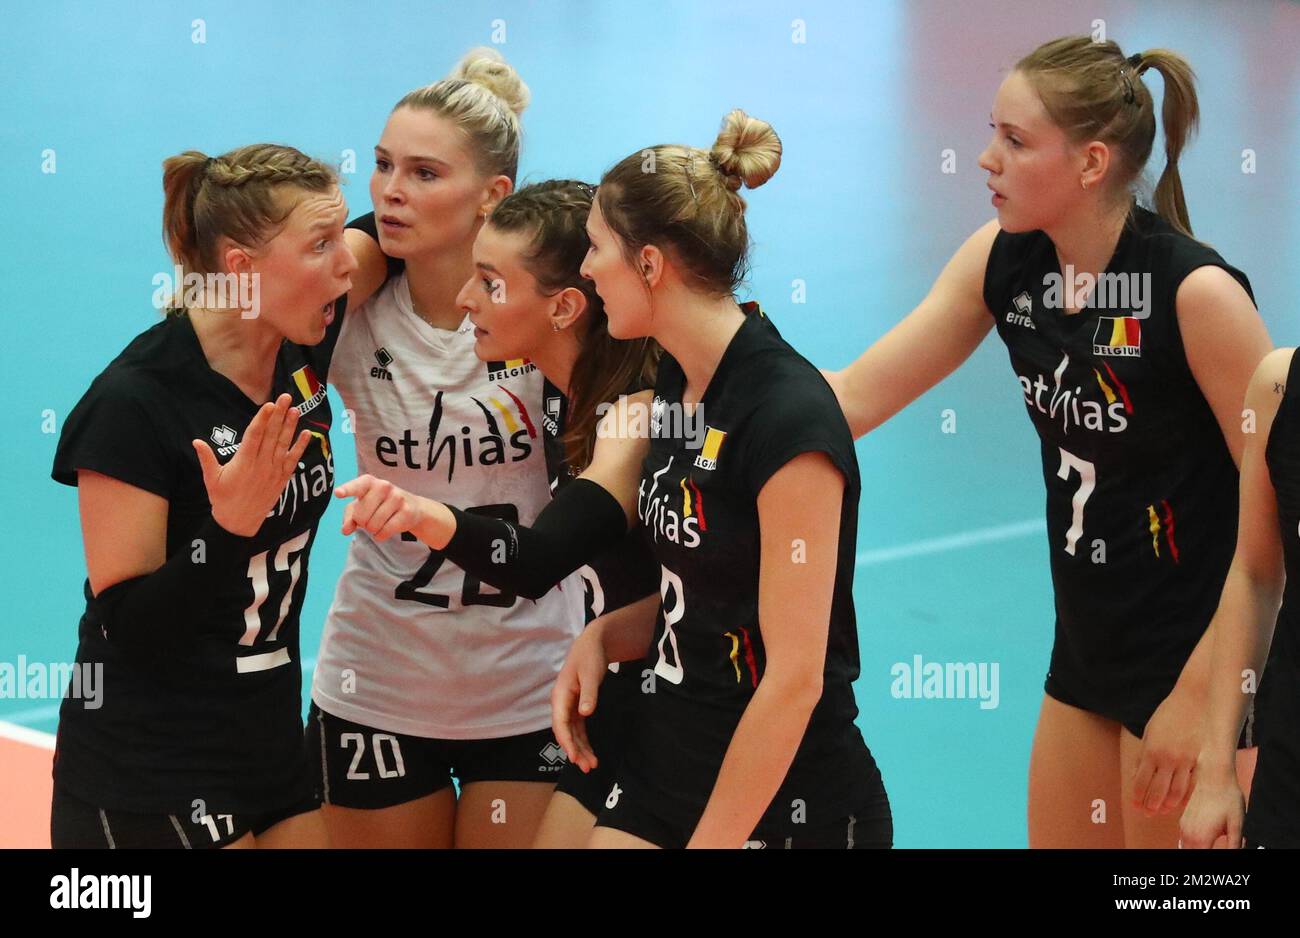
(673,673)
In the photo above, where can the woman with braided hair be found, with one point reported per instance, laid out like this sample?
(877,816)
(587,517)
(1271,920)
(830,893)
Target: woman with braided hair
(202,461)
(1133,372)
(427,678)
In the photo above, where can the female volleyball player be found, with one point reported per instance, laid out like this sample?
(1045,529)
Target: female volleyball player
(1263,572)
(748,735)
(529,299)
(199,508)
(1135,389)
(425,673)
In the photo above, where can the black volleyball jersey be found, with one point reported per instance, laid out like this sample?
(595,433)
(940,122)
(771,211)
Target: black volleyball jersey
(1141,487)
(621,575)
(697,499)
(213,719)
(1274,816)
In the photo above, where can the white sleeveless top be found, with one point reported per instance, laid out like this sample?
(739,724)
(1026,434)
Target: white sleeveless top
(412,644)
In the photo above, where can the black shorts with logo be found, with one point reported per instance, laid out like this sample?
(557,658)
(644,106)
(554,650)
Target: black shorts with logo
(360,766)
(78,824)
(608,730)
(871,826)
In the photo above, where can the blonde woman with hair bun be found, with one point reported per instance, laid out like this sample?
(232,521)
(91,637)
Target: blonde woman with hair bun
(748,738)
(427,679)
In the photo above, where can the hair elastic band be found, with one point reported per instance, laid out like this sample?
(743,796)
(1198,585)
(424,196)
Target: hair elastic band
(1132,63)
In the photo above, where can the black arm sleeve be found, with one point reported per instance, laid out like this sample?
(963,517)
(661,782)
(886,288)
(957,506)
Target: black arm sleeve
(368,224)
(156,609)
(581,522)
(629,572)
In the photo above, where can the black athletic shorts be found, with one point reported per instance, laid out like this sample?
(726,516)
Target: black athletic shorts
(1258,833)
(360,766)
(1133,716)
(1273,811)
(608,730)
(869,827)
(78,824)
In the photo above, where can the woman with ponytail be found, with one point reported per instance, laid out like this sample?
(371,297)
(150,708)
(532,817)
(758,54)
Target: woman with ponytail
(1133,344)
(202,461)
(744,734)
(430,717)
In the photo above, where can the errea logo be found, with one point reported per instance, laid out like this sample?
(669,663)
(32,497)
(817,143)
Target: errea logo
(657,408)
(554,756)
(381,371)
(1019,314)
(224,439)
(551,415)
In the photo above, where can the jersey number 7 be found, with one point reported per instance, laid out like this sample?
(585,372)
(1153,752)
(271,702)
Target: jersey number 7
(1087,482)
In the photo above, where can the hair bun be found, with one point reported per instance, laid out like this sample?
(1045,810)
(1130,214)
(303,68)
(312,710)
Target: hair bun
(747,151)
(487,67)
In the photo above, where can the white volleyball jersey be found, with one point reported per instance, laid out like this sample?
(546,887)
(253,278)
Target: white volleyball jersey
(412,644)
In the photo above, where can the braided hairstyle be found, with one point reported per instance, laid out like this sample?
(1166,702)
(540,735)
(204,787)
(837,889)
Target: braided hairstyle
(244,195)
(552,215)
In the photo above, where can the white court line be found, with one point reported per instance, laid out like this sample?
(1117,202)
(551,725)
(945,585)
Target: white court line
(936,545)
(22,734)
